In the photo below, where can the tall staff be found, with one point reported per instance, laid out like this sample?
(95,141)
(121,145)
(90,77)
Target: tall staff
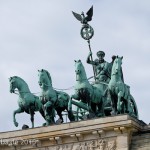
(87,31)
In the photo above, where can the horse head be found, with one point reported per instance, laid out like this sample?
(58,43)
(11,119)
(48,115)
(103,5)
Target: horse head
(116,68)
(18,83)
(44,78)
(80,71)
(13,84)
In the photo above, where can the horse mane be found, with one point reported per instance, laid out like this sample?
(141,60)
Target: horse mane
(49,77)
(82,68)
(121,72)
(20,79)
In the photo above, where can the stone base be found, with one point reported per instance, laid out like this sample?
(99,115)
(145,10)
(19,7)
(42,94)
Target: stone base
(110,133)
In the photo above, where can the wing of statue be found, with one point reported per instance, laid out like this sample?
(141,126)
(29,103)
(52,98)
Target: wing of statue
(89,14)
(77,16)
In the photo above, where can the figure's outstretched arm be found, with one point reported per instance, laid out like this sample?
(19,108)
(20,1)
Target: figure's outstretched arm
(89,61)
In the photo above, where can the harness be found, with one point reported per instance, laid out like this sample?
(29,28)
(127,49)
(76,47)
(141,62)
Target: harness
(105,71)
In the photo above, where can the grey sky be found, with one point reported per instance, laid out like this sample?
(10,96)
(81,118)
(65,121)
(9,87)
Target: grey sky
(44,34)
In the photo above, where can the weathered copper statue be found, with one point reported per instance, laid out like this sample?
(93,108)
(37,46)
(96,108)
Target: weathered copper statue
(52,99)
(106,95)
(27,102)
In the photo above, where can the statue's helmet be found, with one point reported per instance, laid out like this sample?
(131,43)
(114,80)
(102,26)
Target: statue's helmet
(100,53)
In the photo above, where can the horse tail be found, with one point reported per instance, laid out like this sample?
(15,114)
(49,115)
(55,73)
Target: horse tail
(135,106)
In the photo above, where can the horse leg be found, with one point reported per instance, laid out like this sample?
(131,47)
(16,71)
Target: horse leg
(19,110)
(59,113)
(70,104)
(77,114)
(111,99)
(114,110)
(120,95)
(93,107)
(128,104)
(124,106)
(42,113)
(101,108)
(49,113)
(70,115)
(92,110)
(32,117)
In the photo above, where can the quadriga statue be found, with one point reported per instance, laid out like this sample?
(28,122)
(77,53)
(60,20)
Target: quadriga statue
(27,102)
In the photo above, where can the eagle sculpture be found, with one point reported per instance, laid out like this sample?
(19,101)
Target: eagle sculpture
(82,18)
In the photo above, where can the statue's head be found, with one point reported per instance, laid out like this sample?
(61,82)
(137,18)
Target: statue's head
(100,55)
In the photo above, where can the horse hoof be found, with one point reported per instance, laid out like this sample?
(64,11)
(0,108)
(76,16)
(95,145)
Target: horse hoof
(44,124)
(100,115)
(113,113)
(24,127)
(91,116)
(16,124)
(59,121)
(85,117)
(118,109)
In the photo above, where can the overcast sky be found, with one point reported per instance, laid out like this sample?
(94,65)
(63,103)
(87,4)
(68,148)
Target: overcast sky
(44,34)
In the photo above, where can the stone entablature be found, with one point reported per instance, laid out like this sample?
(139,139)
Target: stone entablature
(109,133)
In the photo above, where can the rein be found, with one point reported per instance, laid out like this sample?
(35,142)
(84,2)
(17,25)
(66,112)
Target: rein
(24,92)
(72,86)
(57,88)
